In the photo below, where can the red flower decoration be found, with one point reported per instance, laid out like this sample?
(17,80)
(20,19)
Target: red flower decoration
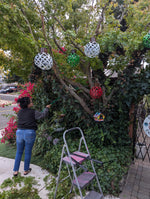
(10,131)
(96,92)
(63,50)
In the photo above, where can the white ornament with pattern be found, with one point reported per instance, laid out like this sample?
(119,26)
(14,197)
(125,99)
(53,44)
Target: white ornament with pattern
(44,61)
(146,125)
(92,49)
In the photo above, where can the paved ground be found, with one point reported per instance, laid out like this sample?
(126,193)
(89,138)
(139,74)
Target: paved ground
(137,185)
(3,112)
(6,166)
(6,99)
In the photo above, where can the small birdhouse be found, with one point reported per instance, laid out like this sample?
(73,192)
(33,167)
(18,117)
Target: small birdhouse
(43,60)
(92,49)
(99,117)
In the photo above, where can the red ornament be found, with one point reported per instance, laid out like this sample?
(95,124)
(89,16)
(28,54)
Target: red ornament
(96,92)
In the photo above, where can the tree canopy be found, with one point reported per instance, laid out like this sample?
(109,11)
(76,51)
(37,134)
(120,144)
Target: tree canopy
(117,25)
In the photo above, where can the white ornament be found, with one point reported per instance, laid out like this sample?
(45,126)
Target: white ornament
(146,125)
(92,49)
(44,61)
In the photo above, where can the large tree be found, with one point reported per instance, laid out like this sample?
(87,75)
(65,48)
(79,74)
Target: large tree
(118,26)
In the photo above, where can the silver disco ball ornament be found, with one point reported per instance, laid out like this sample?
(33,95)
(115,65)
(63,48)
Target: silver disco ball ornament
(44,61)
(92,49)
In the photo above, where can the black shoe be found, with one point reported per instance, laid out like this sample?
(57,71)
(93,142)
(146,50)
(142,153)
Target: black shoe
(15,174)
(26,172)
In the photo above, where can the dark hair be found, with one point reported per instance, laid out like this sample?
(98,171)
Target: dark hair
(24,101)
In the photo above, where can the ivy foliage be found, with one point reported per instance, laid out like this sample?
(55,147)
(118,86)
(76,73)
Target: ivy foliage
(26,188)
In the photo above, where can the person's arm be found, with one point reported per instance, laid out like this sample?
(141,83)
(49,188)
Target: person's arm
(40,115)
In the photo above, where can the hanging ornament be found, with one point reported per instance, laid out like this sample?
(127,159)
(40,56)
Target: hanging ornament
(92,49)
(99,117)
(43,60)
(96,92)
(146,40)
(146,125)
(73,59)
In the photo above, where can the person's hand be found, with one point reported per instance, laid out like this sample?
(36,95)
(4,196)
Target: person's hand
(48,106)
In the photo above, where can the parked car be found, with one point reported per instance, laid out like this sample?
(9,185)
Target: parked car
(9,89)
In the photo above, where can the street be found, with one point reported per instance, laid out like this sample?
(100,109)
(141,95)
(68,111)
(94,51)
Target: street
(9,99)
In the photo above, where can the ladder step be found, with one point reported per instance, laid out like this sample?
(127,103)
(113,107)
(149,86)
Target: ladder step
(77,158)
(81,154)
(94,195)
(84,179)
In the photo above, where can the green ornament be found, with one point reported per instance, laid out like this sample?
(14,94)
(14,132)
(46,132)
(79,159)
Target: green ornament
(146,40)
(73,59)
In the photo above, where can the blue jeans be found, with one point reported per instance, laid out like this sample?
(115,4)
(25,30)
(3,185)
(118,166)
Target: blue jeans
(25,139)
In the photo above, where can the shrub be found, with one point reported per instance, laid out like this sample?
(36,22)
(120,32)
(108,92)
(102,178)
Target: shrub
(9,132)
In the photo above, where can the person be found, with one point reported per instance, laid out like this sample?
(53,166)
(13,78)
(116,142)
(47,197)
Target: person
(26,132)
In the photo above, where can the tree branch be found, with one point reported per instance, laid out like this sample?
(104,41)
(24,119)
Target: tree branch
(59,23)
(56,41)
(44,33)
(29,26)
(123,13)
(85,91)
(75,45)
(106,99)
(80,100)
(19,27)
(88,72)
(146,26)
(101,18)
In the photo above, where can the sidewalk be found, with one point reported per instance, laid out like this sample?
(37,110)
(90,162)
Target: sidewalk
(137,184)
(6,171)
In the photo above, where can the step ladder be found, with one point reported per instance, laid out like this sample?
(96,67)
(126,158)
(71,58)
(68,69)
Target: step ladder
(75,161)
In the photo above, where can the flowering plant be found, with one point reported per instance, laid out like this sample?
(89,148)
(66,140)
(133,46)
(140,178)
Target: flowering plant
(5,104)
(9,132)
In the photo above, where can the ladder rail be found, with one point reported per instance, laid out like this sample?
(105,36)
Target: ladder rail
(75,176)
(82,138)
(72,187)
(58,178)
(59,171)
(79,148)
